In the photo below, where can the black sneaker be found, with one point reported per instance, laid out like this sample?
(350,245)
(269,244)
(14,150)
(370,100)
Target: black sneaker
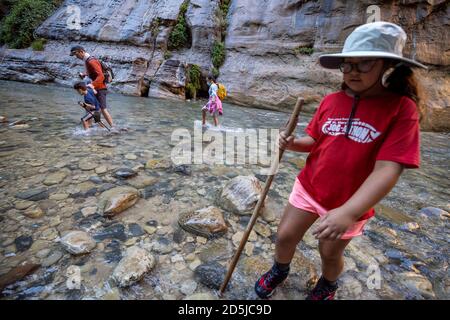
(322,291)
(266,285)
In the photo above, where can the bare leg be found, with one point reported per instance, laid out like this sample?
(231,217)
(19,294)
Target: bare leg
(331,253)
(216,120)
(107,116)
(293,225)
(85,124)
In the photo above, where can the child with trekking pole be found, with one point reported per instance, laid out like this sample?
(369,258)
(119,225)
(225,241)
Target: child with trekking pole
(359,141)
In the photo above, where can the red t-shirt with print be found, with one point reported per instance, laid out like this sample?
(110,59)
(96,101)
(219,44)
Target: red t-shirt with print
(383,128)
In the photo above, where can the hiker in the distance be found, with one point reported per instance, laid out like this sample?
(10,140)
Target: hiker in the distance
(95,73)
(359,141)
(214,105)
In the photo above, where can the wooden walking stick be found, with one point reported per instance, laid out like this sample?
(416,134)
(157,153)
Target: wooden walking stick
(288,131)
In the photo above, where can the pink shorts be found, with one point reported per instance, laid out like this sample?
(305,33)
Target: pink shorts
(300,199)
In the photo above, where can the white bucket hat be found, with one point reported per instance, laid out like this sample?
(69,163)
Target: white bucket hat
(376,40)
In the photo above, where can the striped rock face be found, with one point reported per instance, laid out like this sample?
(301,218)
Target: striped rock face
(207,222)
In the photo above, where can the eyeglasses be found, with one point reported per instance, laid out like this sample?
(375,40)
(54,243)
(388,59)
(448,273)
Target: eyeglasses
(362,66)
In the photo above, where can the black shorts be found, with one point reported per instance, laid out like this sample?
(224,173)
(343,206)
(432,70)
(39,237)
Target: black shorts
(101,97)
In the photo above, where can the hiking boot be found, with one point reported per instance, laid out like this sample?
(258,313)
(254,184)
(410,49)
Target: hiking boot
(267,283)
(323,290)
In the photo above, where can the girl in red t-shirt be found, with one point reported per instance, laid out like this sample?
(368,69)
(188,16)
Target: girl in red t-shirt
(359,142)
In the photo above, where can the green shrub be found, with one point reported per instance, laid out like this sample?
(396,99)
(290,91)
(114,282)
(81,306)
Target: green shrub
(179,37)
(224,7)
(38,44)
(215,72)
(218,54)
(167,55)
(304,51)
(17,28)
(194,76)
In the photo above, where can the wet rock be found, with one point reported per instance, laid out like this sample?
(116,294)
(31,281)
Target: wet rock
(124,173)
(53,258)
(135,230)
(418,283)
(241,194)
(101,169)
(149,229)
(43,253)
(34,213)
(158,164)
(3,119)
(207,222)
(113,252)
(431,212)
(24,204)
(55,178)
(88,211)
(392,215)
(117,200)
(141,181)
(158,188)
(263,230)
(394,254)
(115,231)
(179,235)
(59,196)
(162,246)
(182,169)
(23,243)
(107,144)
(210,274)
(130,156)
(33,194)
(36,163)
(78,242)
(188,287)
(219,249)
(152,223)
(17,274)
(237,237)
(410,226)
(133,266)
(49,234)
(87,164)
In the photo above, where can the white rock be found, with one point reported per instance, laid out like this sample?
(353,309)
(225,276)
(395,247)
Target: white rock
(78,242)
(133,266)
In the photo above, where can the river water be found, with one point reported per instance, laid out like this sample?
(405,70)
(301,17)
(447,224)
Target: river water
(403,254)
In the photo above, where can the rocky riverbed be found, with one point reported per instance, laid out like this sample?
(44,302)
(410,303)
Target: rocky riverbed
(101,215)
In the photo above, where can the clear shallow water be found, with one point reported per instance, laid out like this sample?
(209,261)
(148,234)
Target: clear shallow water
(409,250)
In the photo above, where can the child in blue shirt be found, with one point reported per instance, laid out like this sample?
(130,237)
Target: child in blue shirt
(90,104)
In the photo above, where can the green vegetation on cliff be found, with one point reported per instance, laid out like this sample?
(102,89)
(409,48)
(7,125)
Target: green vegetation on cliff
(179,37)
(17,28)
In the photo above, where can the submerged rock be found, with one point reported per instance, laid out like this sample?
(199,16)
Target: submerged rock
(158,164)
(17,274)
(124,173)
(210,274)
(117,200)
(33,194)
(241,194)
(207,222)
(115,231)
(133,266)
(78,242)
(34,212)
(23,243)
(87,164)
(182,169)
(55,178)
(418,283)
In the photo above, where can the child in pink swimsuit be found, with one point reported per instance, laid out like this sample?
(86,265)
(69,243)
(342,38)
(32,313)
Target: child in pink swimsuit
(359,141)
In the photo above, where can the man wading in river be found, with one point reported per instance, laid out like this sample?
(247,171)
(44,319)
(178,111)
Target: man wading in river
(94,71)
